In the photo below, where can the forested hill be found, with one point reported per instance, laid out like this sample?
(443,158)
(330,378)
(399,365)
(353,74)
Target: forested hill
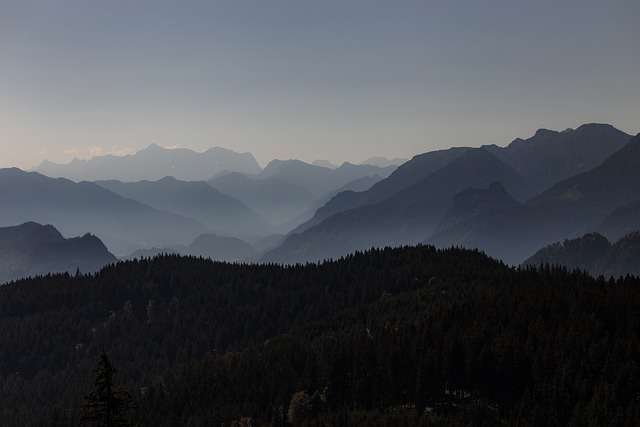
(407,336)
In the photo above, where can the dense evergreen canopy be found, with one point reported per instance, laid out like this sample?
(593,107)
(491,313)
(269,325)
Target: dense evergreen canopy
(406,336)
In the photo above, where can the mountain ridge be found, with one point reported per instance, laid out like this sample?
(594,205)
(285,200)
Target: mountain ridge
(593,253)
(32,249)
(220,212)
(153,163)
(76,208)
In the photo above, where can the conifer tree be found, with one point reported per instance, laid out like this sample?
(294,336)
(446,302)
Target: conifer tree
(107,405)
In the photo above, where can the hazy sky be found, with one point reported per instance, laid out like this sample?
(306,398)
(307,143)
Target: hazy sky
(336,79)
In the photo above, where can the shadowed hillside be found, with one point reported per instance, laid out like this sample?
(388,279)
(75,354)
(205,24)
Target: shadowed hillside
(32,249)
(77,208)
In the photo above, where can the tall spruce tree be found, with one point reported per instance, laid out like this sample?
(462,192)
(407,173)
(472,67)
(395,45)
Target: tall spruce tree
(107,405)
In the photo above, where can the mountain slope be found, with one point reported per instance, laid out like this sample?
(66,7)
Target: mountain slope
(472,202)
(568,209)
(594,194)
(384,162)
(549,156)
(582,253)
(220,213)
(317,179)
(221,248)
(217,248)
(406,175)
(287,190)
(276,200)
(594,253)
(154,163)
(408,216)
(78,208)
(305,220)
(621,221)
(32,249)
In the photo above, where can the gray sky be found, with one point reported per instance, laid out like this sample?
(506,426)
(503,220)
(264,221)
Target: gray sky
(336,79)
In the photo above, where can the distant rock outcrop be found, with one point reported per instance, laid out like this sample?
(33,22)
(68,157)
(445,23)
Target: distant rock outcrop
(32,249)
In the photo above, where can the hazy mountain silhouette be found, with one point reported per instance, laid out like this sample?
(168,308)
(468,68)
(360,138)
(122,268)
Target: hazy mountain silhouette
(221,248)
(592,195)
(472,202)
(406,217)
(195,199)
(582,253)
(621,221)
(324,164)
(317,179)
(153,163)
(595,254)
(218,248)
(406,175)
(550,156)
(32,249)
(383,162)
(287,190)
(276,200)
(76,208)
(356,186)
(568,209)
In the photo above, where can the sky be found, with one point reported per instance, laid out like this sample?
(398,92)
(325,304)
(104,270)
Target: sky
(342,80)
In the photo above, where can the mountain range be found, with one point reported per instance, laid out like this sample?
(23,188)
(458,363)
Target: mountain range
(286,190)
(599,199)
(402,217)
(154,163)
(508,201)
(32,249)
(551,156)
(78,208)
(384,162)
(317,179)
(422,199)
(220,213)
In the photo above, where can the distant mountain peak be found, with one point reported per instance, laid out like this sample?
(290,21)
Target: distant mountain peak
(324,164)
(153,147)
(545,132)
(31,249)
(591,126)
(153,163)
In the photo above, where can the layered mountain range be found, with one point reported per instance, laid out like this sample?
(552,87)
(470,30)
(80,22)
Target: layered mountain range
(286,190)
(219,212)
(421,200)
(153,163)
(507,201)
(77,208)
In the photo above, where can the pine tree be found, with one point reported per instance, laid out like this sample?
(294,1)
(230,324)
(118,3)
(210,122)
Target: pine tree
(107,405)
